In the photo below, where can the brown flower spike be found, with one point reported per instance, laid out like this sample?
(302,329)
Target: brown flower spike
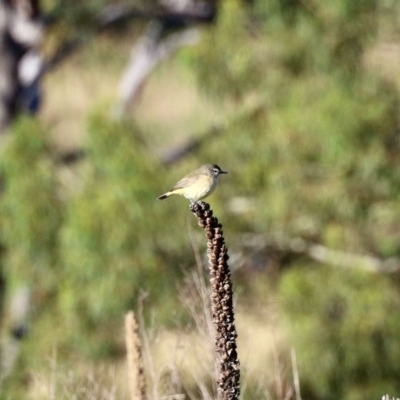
(134,357)
(221,303)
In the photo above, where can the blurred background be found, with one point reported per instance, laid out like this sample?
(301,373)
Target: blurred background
(105,105)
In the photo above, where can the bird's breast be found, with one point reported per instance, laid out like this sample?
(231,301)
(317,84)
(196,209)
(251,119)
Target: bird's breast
(202,187)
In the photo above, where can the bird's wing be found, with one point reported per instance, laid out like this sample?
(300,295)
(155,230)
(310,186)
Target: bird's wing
(185,182)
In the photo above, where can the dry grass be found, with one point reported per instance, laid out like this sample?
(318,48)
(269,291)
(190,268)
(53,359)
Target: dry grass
(53,381)
(179,361)
(170,109)
(74,88)
(384,58)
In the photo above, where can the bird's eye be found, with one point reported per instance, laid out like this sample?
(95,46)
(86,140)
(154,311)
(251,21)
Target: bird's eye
(216,170)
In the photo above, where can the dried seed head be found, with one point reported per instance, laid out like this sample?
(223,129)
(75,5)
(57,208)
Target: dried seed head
(222,303)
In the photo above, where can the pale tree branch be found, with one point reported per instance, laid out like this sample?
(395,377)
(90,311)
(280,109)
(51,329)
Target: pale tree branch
(145,56)
(284,245)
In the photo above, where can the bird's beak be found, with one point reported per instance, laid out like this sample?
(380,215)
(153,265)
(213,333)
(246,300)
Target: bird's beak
(223,172)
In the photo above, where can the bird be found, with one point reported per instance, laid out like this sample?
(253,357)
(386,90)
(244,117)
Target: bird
(197,184)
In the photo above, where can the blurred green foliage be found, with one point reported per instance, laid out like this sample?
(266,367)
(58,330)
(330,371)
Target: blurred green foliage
(326,132)
(312,145)
(320,160)
(30,211)
(112,245)
(345,330)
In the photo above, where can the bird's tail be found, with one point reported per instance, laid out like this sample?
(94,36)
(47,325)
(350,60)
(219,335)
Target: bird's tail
(164,196)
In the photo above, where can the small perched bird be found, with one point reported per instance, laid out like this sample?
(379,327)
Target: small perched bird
(197,184)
